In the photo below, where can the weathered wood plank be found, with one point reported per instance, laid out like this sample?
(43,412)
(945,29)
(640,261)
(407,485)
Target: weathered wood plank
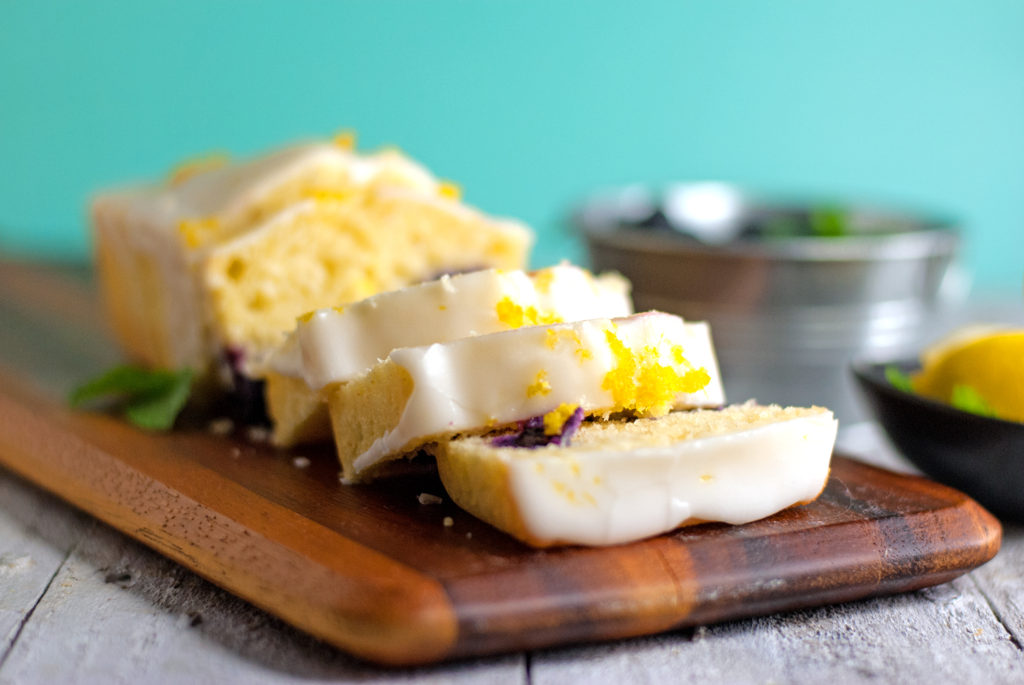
(117,612)
(1001,581)
(941,634)
(37,534)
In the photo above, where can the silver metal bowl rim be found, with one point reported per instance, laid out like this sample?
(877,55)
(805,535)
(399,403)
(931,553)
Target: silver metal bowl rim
(937,237)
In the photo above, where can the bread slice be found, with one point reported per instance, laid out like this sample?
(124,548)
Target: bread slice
(645,365)
(338,344)
(620,481)
(226,258)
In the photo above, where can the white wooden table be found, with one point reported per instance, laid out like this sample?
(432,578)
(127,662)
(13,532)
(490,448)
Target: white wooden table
(82,603)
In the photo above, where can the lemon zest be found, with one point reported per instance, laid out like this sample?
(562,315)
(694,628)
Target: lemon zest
(197,232)
(555,419)
(450,190)
(197,165)
(540,385)
(515,315)
(639,382)
(345,139)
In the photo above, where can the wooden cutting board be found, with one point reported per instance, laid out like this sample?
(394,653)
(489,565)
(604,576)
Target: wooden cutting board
(375,572)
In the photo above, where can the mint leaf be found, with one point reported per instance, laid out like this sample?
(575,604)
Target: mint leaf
(148,398)
(898,379)
(966,398)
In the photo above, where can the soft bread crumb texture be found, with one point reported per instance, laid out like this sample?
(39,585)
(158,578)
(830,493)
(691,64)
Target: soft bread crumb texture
(338,251)
(300,414)
(361,411)
(677,427)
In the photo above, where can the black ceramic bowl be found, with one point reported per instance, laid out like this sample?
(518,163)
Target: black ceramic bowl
(983,457)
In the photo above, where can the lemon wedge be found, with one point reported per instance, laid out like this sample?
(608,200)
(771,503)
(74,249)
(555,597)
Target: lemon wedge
(983,363)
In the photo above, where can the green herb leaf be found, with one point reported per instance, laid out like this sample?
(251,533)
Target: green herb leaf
(966,398)
(149,399)
(829,222)
(899,379)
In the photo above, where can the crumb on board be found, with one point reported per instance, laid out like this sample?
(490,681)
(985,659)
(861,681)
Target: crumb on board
(257,434)
(427,498)
(448,522)
(236,452)
(222,426)
(300,462)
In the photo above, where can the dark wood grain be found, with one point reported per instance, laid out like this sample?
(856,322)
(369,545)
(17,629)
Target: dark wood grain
(373,571)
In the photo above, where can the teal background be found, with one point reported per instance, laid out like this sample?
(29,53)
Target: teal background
(529,105)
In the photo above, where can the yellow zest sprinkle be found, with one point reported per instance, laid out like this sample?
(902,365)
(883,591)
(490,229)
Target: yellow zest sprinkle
(540,385)
(338,309)
(328,195)
(640,383)
(442,307)
(563,490)
(197,165)
(346,139)
(515,315)
(551,338)
(677,354)
(555,419)
(196,232)
(491,422)
(307,317)
(556,335)
(707,478)
(581,351)
(542,280)
(450,190)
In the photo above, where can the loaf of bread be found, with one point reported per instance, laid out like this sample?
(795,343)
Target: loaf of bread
(642,365)
(624,480)
(216,263)
(338,344)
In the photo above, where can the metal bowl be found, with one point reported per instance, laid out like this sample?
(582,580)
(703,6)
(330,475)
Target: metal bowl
(788,309)
(980,455)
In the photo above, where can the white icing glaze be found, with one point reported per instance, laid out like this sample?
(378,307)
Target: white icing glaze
(471,383)
(609,496)
(228,191)
(338,344)
(144,220)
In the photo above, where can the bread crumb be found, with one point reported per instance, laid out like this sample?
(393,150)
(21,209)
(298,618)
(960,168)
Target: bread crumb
(300,462)
(469,535)
(235,452)
(427,498)
(257,434)
(222,426)
(448,521)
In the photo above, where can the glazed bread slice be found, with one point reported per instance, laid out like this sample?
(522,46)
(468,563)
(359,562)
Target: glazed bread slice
(645,365)
(620,481)
(338,344)
(224,258)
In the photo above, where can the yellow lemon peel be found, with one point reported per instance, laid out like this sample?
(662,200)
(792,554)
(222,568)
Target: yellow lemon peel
(991,364)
